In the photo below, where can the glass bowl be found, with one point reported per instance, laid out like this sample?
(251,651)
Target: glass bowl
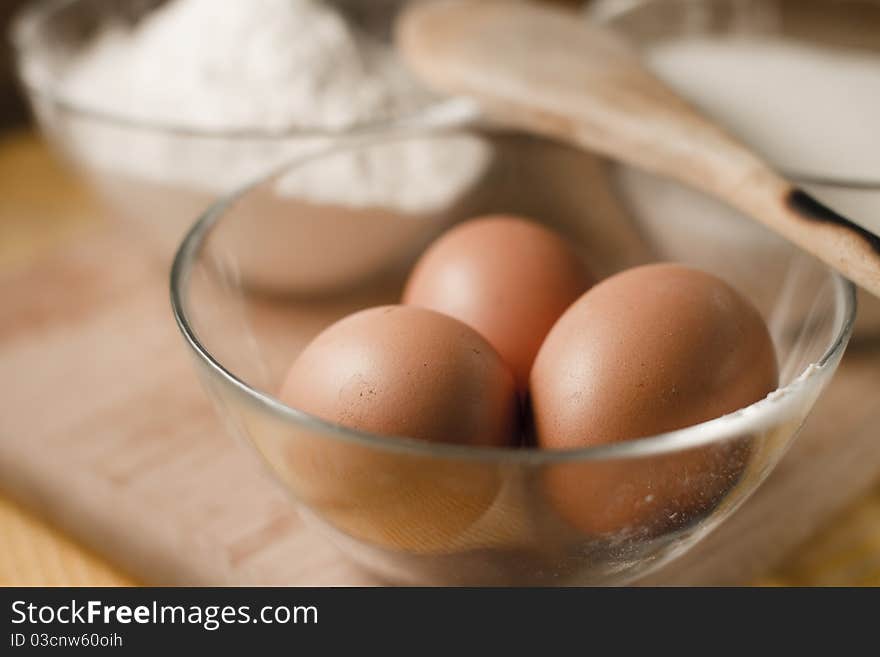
(836,26)
(160,175)
(419,513)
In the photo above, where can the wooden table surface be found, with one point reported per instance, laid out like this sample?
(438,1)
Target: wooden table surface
(42,205)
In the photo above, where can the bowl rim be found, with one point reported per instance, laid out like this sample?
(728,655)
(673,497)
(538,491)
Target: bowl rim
(609,13)
(32,15)
(755,417)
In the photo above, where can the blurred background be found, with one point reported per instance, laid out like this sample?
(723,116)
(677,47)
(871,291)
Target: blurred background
(12,109)
(43,206)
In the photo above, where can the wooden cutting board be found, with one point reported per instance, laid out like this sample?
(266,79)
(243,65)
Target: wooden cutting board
(105,430)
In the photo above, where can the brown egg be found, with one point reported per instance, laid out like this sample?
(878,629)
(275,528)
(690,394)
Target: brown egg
(404,371)
(399,371)
(650,350)
(507,277)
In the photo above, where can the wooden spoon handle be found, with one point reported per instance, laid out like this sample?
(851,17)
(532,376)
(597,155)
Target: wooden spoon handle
(549,71)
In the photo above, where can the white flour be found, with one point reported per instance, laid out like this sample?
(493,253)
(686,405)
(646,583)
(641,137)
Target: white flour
(240,64)
(808,109)
(264,66)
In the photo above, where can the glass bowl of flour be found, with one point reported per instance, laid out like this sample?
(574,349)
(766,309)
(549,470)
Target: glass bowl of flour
(797,80)
(166,105)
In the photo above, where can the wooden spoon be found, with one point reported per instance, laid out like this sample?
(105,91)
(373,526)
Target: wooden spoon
(548,70)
